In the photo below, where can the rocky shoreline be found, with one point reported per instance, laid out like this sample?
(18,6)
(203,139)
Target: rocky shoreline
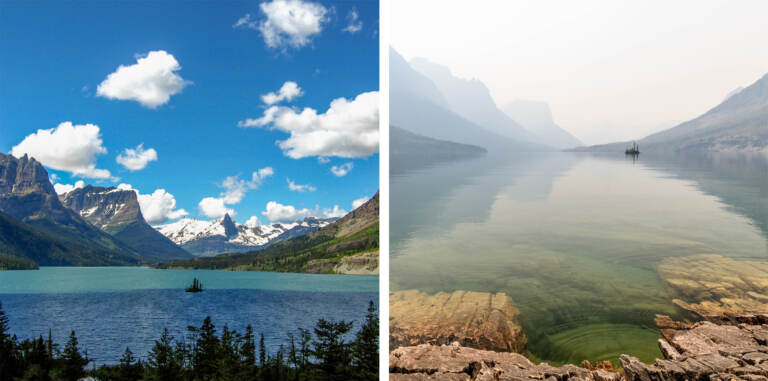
(728,347)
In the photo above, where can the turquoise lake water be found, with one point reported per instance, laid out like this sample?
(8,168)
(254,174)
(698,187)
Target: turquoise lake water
(575,238)
(111,308)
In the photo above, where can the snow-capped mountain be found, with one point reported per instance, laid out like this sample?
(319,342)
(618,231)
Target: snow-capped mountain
(207,238)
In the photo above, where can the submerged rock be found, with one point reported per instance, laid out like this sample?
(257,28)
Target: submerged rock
(714,286)
(473,319)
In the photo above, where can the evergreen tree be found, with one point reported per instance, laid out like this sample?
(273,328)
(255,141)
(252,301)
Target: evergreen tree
(72,362)
(331,350)
(8,363)
(130,370)
(229,354)
(248,354)
(163,360)
(262,352)
(206,351)
(366,347)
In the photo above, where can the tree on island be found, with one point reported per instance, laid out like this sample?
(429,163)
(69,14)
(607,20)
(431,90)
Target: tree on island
(196,286)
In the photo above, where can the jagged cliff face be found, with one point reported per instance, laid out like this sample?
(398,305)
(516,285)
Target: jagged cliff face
(26,192)
(27,195)
(117,212)
(106,208)
(207,238)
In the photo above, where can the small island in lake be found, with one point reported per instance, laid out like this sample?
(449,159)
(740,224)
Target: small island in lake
(196,286)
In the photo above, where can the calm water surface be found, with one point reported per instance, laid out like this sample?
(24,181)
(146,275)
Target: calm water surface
(575,239)
(113,307)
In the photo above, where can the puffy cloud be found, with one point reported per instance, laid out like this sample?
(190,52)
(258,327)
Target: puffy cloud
(350,128)
(68,147)
(214,207)
(290,23)
(135,159)
(66,188)
(355,25)
(342,170)
(336,212)
(262,174)
(253,222)
(150,81)
(235,189)
(277,212)
(247,21)
(287,92)
(300,187)
(157,207)
(359,202)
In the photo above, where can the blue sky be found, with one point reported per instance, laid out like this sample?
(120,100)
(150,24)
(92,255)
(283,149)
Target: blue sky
(55,55)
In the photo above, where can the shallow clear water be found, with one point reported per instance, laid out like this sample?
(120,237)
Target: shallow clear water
(113,307)
(574,238)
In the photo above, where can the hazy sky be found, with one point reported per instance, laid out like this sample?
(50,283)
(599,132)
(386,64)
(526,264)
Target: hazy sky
(610,70)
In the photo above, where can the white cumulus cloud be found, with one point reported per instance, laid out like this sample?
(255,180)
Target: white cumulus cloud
(235,189)
(355,25)
(215,207)
(349,128)
(135,159)
(253,222)
(290,23)
(150,81)
(359,202)
(342,170)
(293,187)
(66,188)
(158,206)
(287,92)
(277,212)
(68,147)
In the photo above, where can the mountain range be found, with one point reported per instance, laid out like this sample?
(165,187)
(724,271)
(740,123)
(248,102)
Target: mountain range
(738,124)
(537,118)
(32,210)
(428,100)
(355,236)
(208,238)
(104,226)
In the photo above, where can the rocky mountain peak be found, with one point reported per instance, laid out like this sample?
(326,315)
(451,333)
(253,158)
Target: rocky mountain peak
(23,176)
(230,228)
(104,207)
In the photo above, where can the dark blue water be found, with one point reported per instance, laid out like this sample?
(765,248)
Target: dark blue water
(107,321)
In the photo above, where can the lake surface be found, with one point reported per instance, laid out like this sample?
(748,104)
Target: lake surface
(113,307)
(575,238)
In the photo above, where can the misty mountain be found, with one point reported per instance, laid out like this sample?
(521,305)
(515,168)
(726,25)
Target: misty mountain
(411,151)
(738,124)
(537,118)
(416,105)
(472,100)
(27,195)
(117,212)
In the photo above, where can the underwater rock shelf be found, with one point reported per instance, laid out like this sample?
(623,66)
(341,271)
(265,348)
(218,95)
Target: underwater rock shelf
(474,319)
(732,348)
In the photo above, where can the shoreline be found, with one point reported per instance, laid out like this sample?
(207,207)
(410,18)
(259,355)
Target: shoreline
(725,347)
